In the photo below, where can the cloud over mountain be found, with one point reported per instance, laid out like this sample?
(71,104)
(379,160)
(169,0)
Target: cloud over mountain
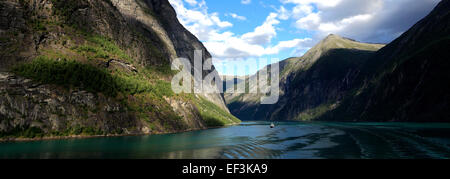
(290,27)
(209,28)
(371,21)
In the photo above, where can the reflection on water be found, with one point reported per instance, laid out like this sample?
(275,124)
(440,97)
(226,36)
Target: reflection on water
(256,140)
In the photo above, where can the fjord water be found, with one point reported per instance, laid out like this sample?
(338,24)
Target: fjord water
(256,140)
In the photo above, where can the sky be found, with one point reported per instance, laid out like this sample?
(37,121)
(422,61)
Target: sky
(244,36)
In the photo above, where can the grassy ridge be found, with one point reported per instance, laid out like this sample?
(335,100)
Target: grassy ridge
(148,93)
(213,115)
(103,48)
(70,73)
(143,97)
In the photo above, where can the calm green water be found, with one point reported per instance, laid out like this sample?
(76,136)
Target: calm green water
(255,140)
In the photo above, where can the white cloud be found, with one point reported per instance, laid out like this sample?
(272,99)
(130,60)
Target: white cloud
(197,20)
(372,21)
(283,45)
(263,34)
(319,3)
(310,22)
(191,2)
(302,10)
(218,22)
(211,30)
(235,47)
(238,17)
(246,1)
(283,13)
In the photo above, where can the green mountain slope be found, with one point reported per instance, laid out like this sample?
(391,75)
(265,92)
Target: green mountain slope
(97,67)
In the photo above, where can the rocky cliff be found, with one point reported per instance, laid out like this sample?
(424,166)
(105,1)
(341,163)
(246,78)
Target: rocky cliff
(97,67)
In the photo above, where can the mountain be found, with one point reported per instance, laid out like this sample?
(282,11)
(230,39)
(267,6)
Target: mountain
(343,80)
(309,85)
(408,79)
(97,67)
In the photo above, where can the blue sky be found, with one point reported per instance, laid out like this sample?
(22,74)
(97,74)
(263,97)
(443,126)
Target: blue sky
(238,32)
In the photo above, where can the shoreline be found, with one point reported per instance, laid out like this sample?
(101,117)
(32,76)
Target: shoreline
(5,140)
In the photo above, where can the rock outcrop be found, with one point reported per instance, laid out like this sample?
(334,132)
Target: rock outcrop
(27,103)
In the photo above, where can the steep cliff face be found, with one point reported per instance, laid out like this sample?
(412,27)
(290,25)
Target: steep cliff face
(310,85)
(97,67)
(159,17)
(408,79)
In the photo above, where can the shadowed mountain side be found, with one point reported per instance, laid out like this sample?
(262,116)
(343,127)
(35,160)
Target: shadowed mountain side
(416,91)
(408,79)
(321,87)
(306,94)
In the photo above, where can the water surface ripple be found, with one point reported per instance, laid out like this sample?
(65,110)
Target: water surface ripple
(255,140)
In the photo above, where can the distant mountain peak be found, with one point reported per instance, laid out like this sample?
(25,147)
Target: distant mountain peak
(337,37)
(334,41)
(329,43)
(333,36)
